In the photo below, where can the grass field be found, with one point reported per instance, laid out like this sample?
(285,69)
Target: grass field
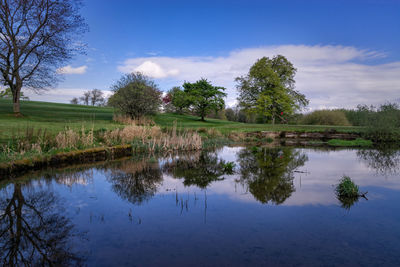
(55,117)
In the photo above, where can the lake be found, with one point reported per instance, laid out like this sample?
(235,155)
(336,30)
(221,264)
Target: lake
(235,206)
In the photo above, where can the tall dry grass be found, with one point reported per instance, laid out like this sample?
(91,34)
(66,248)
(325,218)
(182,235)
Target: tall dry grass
(150,138)
(71,139)
(154,138)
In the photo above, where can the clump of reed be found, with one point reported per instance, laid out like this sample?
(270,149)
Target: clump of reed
(348,193)
(237,136)
(34,142)
(347,188)
(71,139)
(154,138)
(146,138)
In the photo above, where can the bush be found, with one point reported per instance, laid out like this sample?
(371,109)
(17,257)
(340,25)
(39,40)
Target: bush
(325,117)
(136,95)
(360,116)
(384,124)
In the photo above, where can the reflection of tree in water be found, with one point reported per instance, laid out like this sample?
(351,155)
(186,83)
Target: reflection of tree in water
(135,181)
(33,230)
(200,170)
(384,160)
(268,172)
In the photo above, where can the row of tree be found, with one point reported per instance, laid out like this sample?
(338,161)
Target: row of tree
(93,97)
(266,94)
(137,95)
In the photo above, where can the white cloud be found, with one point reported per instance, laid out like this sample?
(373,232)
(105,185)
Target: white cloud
(330,76)
(71,70)
(154,70)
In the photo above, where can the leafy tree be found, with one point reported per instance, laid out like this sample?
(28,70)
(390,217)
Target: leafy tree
(74,101)
(136,95)
(268,172)
(268,89)
(230,114)
(204,97)
(36,38)
(136,181)
(201,171)
(179,99)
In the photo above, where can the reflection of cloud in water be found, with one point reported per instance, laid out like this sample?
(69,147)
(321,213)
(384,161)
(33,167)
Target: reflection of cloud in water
(315,187)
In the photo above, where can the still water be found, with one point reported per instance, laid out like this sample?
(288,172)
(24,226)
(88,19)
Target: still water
(276,207)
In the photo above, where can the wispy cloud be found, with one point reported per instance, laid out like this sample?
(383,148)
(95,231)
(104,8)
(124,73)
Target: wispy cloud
(330,76)
(71,70)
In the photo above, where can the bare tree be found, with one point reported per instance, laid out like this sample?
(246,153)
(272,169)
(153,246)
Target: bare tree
(36,38)
(85,98)
(74,101)
(96,97)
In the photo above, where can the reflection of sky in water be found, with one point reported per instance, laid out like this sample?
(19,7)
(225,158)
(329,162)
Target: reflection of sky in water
(224,225)
(314,182)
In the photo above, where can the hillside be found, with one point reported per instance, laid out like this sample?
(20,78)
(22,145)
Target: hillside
(54,117)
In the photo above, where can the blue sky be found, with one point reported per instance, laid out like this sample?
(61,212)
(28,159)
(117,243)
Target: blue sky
(346,52)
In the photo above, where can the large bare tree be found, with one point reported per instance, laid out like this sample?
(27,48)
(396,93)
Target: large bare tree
(36,38)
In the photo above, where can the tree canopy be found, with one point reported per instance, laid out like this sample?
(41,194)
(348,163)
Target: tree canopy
(136,95)
(269,89)
(204,97)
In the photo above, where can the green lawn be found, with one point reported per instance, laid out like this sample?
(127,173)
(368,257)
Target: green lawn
(55,117)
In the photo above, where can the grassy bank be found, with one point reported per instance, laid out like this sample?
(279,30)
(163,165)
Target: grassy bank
(350,143)
(54,117)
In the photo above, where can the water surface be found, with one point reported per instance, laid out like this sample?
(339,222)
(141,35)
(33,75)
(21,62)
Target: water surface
(277,207)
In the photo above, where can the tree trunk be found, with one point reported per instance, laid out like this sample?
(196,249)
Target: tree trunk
(273,119)
(202,118)
(16,96)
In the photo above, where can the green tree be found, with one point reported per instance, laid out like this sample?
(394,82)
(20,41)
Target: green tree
(200,171)
(268,173)
(136,95)
(268,90)
(179,99)
(204,97)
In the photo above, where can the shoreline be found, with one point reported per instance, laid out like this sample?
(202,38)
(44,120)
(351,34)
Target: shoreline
(96,154)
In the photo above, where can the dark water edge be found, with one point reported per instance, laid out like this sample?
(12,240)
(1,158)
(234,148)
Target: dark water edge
(277,208)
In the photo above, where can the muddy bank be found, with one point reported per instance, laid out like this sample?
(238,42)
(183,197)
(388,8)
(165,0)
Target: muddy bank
(64,159)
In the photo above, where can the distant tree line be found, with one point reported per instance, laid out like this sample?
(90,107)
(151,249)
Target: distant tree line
(93,97)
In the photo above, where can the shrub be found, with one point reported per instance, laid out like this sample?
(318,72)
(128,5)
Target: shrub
(383,125)
(325,117)
(136,95)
